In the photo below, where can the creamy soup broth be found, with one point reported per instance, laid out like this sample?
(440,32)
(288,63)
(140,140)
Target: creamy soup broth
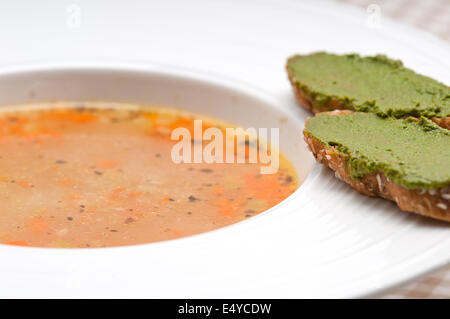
(100,174)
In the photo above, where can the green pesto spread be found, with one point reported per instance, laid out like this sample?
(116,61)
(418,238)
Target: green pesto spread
(368,84)
(412,154)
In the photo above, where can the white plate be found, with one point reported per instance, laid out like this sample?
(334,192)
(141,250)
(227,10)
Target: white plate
(324,241)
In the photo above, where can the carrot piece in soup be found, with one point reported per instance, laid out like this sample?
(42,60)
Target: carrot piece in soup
(107,164)
(17,243)
(24,184)
(38,225)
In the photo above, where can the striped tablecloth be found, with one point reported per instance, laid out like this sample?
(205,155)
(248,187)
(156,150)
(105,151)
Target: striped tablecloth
(432,16)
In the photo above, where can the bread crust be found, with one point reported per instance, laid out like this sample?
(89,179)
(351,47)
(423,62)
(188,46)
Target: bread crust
(442,122)
(305,101)
(336,104)
(433,203)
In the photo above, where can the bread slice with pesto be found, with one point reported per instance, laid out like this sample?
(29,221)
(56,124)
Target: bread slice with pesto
(325,82)
(403,160)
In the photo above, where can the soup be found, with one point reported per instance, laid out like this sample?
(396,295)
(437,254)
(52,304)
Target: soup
(101,174)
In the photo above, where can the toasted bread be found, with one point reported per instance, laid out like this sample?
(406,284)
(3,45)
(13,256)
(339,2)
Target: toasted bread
(433,203)
(346,95)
